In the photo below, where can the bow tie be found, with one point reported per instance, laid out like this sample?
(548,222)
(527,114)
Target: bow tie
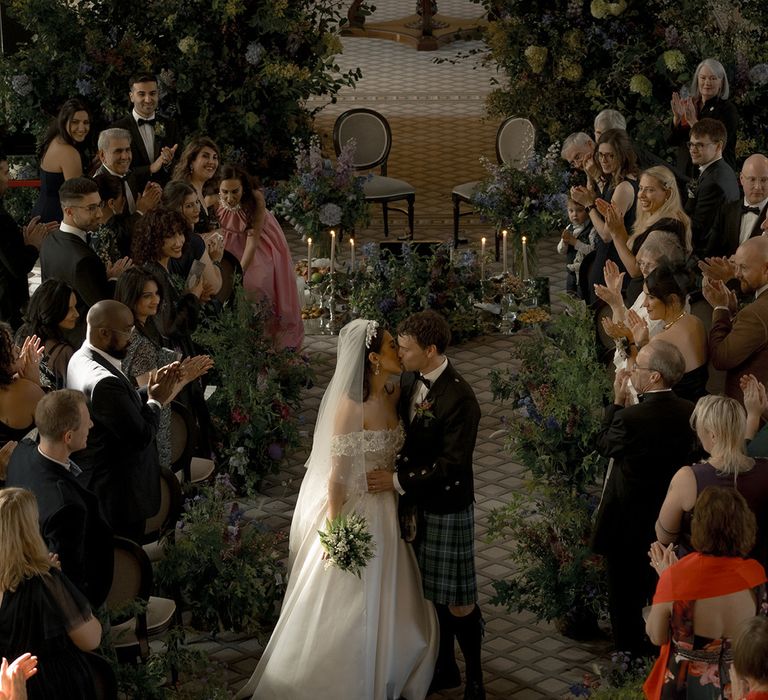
(750,210)
(427,383)
(142,122)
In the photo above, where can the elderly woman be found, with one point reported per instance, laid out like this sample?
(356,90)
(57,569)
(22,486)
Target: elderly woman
(618,186)
(42,612)
(702,600)
(720,423)
(709,94)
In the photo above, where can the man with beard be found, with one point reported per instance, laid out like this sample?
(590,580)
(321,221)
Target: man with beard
(738,340)
(119,462)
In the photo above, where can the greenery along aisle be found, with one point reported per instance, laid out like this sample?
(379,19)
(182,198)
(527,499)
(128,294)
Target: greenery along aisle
(236,70)
(567,59)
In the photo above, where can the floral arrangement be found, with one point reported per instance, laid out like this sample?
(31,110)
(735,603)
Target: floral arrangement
(254,408)
(527,201)
(424,410)
(347,543)
(622,679)
(567,59)
(226,568)
(322,195)
(388,288)
(259,60)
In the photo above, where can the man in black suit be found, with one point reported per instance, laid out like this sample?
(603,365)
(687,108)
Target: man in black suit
(71,522)
(740,220)
(18,255)
(648,442)
(154,138)
(436,484)
(716,185)
(120,462)
(65,254)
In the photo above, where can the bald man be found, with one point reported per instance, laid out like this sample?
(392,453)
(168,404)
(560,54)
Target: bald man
(738,340)
(737,221)
(120,461)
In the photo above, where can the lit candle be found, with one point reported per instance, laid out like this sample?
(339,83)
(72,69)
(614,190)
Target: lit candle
(351,254)
(525,258)
(309,258)
(504,251)
(482,258)
(333,248)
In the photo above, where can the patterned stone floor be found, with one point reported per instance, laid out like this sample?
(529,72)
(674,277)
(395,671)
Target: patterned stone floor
(437,115)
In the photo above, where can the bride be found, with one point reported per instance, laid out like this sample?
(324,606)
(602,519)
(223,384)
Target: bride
(340,637)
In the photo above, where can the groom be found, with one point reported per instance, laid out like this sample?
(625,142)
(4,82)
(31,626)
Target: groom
(435,480)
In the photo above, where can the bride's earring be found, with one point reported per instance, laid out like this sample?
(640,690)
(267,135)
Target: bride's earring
(377,368)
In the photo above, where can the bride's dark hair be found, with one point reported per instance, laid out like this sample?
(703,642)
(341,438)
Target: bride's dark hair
(376,342)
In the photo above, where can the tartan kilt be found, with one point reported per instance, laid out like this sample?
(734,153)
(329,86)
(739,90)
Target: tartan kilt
(445,551)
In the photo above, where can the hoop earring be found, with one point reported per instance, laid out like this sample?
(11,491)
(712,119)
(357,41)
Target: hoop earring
(377,368)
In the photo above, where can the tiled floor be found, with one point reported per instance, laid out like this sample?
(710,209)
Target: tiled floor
(437,118)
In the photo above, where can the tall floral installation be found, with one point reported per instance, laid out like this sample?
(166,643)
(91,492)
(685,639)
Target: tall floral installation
(238,70)
(564,60)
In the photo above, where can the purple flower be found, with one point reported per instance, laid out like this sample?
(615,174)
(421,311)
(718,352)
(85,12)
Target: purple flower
(21,85)
(672,37)
(330,214)
(387,305)
(275,452)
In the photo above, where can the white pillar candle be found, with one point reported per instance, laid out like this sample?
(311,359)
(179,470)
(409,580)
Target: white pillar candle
(351,254)
(333,248)
(309,258)
(482,258)
(504,251)
(525,258)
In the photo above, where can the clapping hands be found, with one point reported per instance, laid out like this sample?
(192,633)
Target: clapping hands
(662,557)
(717,294)
(162,382)
(638,327)
(614,219)
(13,677)
(610,293)
(717,269)
(30,355)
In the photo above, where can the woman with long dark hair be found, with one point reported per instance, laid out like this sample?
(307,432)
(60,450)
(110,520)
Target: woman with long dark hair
(198,166)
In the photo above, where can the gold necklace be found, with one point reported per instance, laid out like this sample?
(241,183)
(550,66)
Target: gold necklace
(669,325)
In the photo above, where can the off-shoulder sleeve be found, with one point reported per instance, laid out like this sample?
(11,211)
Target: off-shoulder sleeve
(68,607)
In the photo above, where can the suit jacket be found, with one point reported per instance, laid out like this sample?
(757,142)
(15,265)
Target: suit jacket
(166,134)
(71,521)
(120,462)
(434,467)
(739,345)
(16,260)
(649,442)
(716,186)
(66,257)
(723,237)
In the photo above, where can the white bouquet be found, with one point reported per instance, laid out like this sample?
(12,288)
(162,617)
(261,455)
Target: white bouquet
(347,543)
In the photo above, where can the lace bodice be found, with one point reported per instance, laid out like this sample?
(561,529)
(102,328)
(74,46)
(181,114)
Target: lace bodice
(380,446)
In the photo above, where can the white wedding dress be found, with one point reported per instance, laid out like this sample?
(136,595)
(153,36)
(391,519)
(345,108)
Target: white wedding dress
(344,638)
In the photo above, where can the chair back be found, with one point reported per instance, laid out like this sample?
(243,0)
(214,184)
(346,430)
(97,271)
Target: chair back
(230,271)
(169,511)
(182,438)
(371,133)
(103,676)
(514,141)
(133,574)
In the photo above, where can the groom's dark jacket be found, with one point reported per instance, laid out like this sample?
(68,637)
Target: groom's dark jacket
(434,467)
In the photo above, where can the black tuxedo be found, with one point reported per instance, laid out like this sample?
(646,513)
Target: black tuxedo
(120,462)
(649,442)
(67,257)
(723,238)
(16,260)
(716,186)
(71,522)
(166,134)
(434,467)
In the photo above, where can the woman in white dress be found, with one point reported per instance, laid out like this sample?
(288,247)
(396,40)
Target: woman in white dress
(340,637)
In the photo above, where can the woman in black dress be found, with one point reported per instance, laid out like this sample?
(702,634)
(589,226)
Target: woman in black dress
(40,610)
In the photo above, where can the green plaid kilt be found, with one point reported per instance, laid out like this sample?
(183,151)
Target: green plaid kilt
(445,551)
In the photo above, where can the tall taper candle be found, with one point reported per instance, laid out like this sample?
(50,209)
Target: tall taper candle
(504,251)
(333,248)
(482,258)
(525,258)
(309,258)
(351,254)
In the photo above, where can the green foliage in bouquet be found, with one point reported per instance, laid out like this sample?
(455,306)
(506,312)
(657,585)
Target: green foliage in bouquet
(348,543)
(621,679)
(226,568)
(555,573)
(237,70)
(557,388)
(387,289)
(255,405)
(567,59)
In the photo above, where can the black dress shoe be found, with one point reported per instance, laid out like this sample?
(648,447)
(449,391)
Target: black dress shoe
(474,690)
(445,678)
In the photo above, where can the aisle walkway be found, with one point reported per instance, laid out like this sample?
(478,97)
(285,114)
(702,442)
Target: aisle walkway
(437,117)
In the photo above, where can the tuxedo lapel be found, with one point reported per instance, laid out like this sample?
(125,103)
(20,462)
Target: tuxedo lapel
(139,141)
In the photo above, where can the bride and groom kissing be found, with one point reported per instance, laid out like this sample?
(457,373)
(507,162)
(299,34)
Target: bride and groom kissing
(399,455)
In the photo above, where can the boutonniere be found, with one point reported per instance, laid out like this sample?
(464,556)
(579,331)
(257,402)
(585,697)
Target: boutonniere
(424,410)
(159,129)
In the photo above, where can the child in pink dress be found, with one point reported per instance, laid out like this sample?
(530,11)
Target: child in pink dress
(255,238)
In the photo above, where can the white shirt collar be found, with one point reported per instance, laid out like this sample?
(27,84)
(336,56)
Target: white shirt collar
(66,464)
(112,360)
(137,116)
(68,228)
(112,172)
(435,373)
(702,168)
(759,205)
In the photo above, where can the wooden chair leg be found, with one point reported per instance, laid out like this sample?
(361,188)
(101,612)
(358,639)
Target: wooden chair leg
(385,214)
(456,208)
(411,203)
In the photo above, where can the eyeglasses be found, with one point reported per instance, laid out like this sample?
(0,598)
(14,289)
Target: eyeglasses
(117,330)
(606,156)
(91,208)
(577,161)
(650,369)
(699,145)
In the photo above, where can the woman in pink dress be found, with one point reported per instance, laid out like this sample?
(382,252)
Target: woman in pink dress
(255,238)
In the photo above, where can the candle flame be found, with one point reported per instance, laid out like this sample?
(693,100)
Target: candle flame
(351,241)
(482,240)
(524,239)
(504,232)
(333,233)
(309,240)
